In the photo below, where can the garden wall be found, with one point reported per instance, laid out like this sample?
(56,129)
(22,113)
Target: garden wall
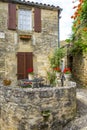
(37,109)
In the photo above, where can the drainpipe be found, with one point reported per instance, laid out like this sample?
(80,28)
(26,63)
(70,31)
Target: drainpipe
(59,11)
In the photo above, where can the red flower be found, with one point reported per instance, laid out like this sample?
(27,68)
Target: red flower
(67,70)
(30,70)
(27,82)
(57,69)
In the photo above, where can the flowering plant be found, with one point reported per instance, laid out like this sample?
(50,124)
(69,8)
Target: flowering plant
(57,69)
(67,71)
(30,70)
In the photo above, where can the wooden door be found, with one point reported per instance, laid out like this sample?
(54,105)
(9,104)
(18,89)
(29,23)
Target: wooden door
(24,62)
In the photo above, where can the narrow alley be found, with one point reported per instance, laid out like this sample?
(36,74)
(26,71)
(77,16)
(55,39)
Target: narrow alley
(80,121)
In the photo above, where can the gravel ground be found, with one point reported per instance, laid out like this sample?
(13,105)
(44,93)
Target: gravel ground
(80,121)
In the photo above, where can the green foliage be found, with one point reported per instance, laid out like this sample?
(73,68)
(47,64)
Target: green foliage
(84,11)
(55,61)
(80,45)
(68,40)
(51,77)
(76,49)
(79,33)
(46,114)
(58,54)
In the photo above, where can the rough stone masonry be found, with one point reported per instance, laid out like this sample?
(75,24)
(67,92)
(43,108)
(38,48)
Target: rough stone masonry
(37,108)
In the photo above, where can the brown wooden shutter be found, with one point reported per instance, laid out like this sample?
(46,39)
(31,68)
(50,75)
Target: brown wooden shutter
(24,62)
(37,20)
(21,65)
(11,16)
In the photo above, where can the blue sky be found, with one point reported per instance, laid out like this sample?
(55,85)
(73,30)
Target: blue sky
(65,21)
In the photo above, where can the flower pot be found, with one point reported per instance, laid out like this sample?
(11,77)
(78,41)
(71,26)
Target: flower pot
(6,82)
(67,76)
(58,84)
(30,77)
(58,74)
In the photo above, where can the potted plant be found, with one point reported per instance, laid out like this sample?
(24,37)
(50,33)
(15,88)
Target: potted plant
(51,76)
(57,70)
(67,73)
(26,85)
(30,73)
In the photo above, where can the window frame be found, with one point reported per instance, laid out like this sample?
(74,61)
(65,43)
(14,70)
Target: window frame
(12,24)
(24,30)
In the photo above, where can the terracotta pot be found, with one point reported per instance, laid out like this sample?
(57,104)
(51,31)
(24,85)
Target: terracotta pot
(6,82)
(57,74)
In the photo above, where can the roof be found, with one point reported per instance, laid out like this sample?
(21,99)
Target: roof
(34,4)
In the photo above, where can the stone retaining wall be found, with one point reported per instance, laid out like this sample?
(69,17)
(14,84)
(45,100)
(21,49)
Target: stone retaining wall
(37,109)
(80,69)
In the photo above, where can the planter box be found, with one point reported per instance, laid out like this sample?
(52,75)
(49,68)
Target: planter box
(26,37)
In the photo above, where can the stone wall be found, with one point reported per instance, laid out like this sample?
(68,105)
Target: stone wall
(3,24)
(37,109)
(41,44)
(80,69)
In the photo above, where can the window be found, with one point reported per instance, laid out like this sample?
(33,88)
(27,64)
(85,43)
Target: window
(24,20)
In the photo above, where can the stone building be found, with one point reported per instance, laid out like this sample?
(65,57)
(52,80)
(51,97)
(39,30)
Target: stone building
(77,63)
(28,33)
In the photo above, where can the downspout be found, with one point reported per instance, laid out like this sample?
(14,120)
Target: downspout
(59,11)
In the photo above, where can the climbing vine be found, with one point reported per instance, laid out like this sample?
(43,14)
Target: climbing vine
(79,28)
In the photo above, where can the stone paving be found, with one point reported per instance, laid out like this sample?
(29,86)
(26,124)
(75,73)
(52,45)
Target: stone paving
(80,121)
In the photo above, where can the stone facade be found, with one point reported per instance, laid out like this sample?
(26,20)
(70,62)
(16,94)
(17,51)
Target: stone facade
(37,109)
(41,44)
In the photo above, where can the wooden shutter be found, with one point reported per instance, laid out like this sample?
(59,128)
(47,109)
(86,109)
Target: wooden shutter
(24,62)
(29,61)
(37,20)
(21,65)
(11,16)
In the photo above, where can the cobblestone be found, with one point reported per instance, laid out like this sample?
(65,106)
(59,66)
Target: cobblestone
(80,121)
